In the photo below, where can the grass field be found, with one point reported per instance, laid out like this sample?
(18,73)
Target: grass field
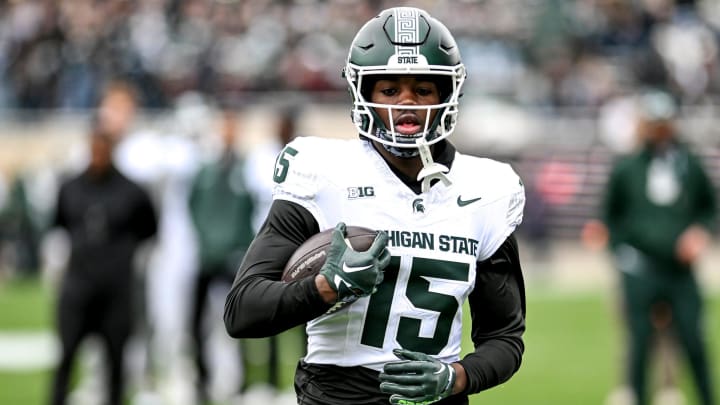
(572,349)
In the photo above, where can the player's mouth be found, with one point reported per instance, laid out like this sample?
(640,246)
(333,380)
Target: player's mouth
(407,124)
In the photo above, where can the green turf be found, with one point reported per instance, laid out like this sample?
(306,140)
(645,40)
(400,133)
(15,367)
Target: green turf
(24,304)
(24,388)
(569,355)
(574,353)
(573,348)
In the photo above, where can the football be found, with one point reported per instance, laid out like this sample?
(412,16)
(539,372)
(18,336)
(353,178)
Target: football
(310,256)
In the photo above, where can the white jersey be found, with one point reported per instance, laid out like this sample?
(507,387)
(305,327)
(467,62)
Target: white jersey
(435,239)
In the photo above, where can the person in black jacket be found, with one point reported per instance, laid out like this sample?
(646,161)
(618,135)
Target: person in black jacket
(107,217)
(385,325)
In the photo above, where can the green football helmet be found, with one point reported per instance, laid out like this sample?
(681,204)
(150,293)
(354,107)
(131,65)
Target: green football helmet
(404,41)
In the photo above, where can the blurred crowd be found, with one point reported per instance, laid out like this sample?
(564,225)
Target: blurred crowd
(60,53)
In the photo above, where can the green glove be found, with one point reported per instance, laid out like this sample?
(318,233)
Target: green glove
(418,379)
(354,274)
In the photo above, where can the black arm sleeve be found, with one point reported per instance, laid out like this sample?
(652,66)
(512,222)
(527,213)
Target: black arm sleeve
(259,304)
(497,307)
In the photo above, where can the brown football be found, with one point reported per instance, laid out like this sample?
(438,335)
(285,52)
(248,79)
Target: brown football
(310,256)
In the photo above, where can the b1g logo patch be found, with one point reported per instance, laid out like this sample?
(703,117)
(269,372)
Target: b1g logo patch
(360,192)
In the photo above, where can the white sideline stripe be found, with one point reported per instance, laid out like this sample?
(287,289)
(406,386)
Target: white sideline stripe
(27,350)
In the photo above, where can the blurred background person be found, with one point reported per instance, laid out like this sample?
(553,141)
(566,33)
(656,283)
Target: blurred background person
(20,229)
(119,113)
(658,212)
(221,209)
(107,217)
(165,158)
(116,116)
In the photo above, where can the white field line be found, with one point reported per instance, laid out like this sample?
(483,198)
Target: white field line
(27,350)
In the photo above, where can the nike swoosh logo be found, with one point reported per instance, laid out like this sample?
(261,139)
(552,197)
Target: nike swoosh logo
(462,203)
(340,283)
(348,269)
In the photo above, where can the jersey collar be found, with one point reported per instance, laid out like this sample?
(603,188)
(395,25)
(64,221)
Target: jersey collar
(443,153)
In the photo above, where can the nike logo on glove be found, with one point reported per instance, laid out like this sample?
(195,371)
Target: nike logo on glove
(350,294)
(462,203)
(348,269)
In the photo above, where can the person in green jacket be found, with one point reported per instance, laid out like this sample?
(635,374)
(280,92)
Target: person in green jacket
(221,208)
(659,209)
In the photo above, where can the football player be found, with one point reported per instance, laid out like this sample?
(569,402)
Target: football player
(385,325)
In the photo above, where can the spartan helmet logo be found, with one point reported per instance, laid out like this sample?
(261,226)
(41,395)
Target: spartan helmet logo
(418,206)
